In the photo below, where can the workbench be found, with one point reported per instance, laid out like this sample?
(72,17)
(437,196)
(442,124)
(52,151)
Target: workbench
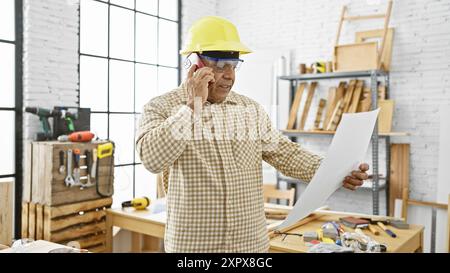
(407,240)
(153,224)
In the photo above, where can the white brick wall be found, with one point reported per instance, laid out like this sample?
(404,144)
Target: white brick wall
(419,77)
(50,57)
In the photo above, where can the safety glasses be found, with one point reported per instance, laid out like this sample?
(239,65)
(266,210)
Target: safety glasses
(221,65)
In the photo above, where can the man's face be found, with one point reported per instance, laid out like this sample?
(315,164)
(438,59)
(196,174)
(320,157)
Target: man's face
(224,80)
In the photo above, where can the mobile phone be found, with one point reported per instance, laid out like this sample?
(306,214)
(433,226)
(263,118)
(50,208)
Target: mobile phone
(193,59)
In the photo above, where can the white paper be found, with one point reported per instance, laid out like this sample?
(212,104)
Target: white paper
(347,150)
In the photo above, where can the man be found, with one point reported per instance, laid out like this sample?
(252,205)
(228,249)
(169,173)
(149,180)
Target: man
(213,141)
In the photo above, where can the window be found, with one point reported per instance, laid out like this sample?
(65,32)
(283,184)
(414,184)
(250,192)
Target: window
(11,101)
(8,89)
(128,55)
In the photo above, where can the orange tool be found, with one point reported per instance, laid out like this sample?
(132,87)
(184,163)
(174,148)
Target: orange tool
(84,136)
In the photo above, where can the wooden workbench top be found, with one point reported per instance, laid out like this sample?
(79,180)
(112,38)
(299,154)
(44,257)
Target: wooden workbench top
(408,240)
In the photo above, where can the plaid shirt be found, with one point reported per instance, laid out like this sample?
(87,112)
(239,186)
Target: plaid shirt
(214,195)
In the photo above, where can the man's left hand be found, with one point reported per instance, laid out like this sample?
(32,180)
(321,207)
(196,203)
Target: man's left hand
(356,178)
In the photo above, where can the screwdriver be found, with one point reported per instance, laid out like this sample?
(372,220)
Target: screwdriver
(388,231)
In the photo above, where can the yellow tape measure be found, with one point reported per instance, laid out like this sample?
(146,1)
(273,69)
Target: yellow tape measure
(105,150)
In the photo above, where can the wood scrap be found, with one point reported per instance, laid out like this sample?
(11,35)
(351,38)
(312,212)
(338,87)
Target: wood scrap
(6,212)
(386,55)
(348,95)
(356,97)
(385,116)
(311,90)
(336,117)
(366,101)
(331,101)
(322,105)
(295,106)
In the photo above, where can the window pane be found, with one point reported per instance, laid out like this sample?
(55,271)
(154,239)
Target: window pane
(121,88)
(146,35)
(94,83)
(146,87)
(7,144)
(99,125)
(123,185)
(167,79)
(168,43)
(145,183)
(137,119)
(147,6)
(124,3)
(7,20)
(94,28)
(7,75)
(168,9)
(122,33)
(121,131)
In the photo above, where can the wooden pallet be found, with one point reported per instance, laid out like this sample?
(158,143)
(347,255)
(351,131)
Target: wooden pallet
(81,224)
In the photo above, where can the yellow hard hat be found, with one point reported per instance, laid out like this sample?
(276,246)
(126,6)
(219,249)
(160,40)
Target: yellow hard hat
(213,33)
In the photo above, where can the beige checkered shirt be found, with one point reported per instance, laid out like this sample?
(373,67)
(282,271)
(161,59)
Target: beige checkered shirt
(214,196)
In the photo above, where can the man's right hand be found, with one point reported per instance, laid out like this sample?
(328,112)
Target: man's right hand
(197,84)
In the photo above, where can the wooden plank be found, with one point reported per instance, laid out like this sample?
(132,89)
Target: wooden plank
(63,210)
(336,117)
(27,178)
(295,106)
(341,21)
(356,57)
(348,95)
(98,249)
(386,56)
(92,241)
(385,32)
(399,174)
(365,17)
(385,116)
(6,212)
(331,102)
(32,221)
(366,102)
(381,92)
(356,97)
(136,246)
(312,89)
(322,105)
(39,222)
(24,229)
(86,217)
(77,232)
(448,225)
(35,172)
(47,222)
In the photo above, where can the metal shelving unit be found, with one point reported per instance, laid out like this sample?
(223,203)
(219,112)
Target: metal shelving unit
(374,76)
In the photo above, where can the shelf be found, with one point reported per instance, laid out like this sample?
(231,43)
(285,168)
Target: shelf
(334,75)
(295,133)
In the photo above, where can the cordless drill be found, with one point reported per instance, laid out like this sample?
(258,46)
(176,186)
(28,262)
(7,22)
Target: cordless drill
(44,115)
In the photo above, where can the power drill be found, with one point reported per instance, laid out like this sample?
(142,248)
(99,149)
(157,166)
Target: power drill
(45,114)
(137,203)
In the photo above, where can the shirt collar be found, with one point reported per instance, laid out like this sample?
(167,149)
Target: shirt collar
(230,99)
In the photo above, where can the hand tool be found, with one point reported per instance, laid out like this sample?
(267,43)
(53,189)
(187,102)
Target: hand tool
(88,169)
(94,163)
(105,150)
(76,170)
(69,179)
(388,231)
(373,230)
(137,203)
(44,115)
(62,167)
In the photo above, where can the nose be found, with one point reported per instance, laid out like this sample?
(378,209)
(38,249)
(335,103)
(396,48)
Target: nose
(228,73)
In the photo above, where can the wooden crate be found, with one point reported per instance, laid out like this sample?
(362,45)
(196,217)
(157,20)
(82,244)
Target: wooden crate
(43,184)
(82,223)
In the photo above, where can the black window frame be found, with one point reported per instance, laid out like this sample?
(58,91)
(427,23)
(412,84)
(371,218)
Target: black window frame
(109,59)
(18,115)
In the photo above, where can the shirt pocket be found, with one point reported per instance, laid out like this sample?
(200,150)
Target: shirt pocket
(247,154)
